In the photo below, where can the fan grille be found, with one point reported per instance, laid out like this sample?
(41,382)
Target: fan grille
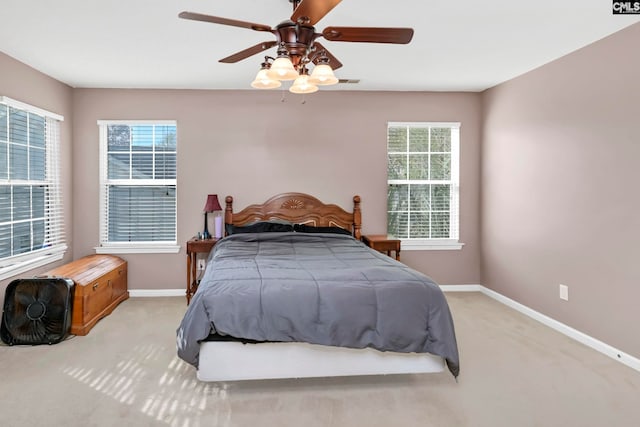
(37,311)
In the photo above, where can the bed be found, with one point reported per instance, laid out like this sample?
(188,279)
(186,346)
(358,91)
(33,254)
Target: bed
(291,291)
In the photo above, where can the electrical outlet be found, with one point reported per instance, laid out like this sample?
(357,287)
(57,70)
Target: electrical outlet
(564,292)
(201,264)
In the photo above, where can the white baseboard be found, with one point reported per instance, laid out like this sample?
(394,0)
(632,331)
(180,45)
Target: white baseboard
(461,288)
(606,349)
(135,293)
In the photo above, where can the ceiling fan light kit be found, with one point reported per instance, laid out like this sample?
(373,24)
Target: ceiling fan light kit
(263,81)
(297,46)
(322,75)
(282,68)
(302,85)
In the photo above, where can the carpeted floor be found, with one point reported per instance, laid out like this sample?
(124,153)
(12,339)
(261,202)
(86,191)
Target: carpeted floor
(515,372)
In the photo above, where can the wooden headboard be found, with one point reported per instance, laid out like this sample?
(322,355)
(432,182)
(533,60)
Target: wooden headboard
(298,208)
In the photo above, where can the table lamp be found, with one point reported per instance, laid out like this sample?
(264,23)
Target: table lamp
(211,205)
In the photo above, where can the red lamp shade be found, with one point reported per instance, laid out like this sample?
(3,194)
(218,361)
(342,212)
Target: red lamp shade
(212,204)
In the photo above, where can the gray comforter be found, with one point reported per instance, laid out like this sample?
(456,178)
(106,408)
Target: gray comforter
(325,289)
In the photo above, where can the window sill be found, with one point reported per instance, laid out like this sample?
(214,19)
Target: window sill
(137,248)
(24,266)
(431,245)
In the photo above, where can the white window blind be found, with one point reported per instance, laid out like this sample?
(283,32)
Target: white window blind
(138,186)
(423,184)
(31,215)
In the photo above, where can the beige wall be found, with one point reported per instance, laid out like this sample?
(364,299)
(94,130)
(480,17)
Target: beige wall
(251,145)
(559,168)
(23,83)
(560,177)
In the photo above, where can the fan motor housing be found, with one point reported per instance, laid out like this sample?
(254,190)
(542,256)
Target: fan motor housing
(297,38)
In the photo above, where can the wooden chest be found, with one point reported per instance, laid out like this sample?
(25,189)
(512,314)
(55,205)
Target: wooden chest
(100,285)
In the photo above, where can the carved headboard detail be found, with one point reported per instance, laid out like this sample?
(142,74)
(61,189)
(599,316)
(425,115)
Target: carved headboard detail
(297,208)
(292,204)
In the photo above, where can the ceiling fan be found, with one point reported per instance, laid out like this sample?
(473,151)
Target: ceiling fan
(296,41)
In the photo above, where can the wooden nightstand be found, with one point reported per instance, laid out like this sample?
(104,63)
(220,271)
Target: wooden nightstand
(196,246)
(383,243)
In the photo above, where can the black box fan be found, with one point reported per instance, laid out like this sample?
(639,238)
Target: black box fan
(37,311)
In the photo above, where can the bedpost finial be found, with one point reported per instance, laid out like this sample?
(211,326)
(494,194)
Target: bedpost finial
(228,213)
(357,218)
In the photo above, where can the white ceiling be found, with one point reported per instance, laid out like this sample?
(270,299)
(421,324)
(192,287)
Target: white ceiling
(459,45)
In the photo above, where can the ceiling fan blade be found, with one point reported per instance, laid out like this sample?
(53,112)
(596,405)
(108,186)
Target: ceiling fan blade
(243,54)
(224,21)
(333,61)
(311,11)
(368,34)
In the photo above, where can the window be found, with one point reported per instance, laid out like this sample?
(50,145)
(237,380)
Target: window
(423,184)
(31,217)
(138,186)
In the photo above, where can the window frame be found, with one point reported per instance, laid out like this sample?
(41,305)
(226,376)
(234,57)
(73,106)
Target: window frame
(452,243)
(142,247)
(54,215)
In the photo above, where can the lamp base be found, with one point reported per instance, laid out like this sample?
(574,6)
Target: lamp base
(205,233)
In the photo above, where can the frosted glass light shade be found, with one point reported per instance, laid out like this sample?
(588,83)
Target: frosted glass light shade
(322,75)
(302,85)
(282,69)
(263,81)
